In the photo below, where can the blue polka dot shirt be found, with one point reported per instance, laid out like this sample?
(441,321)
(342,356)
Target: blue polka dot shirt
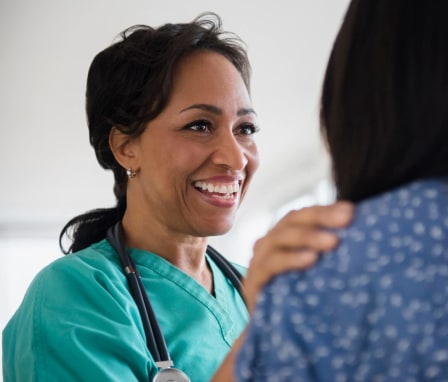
(374,309)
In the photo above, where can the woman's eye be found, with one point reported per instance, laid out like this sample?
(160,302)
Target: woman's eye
(248,129)
(199,126)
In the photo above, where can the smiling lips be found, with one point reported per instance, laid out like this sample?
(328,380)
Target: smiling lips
(219,190)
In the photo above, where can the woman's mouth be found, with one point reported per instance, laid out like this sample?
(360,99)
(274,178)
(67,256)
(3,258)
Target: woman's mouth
(221,190)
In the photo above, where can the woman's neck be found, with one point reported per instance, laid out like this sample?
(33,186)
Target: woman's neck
(183,251)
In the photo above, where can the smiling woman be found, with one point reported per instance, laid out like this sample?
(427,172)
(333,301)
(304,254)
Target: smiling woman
(169,112)
(166,108)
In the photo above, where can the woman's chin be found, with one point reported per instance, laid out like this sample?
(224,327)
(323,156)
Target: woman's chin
(216,229)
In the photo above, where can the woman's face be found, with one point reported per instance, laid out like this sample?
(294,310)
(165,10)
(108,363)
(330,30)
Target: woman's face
(197,158)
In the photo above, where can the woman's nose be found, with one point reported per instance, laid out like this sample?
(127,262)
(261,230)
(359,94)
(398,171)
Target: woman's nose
(229,152)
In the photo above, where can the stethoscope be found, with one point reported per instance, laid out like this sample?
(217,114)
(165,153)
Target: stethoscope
(154,338)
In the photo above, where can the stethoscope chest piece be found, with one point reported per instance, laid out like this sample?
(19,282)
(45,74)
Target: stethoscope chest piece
(171,374)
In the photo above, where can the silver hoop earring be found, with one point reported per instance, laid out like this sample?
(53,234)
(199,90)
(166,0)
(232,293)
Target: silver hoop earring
(131,174)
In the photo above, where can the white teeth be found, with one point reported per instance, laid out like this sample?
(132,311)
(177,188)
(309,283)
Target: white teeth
(223,189)
(225,196)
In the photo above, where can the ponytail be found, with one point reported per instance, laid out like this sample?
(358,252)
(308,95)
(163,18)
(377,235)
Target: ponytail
(91,227)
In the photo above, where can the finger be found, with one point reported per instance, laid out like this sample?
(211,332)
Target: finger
(290,237)
(281,261)
(332,216)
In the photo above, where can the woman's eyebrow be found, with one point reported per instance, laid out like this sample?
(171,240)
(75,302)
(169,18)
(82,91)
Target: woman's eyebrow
(246,111)
(216,110)
(204,106)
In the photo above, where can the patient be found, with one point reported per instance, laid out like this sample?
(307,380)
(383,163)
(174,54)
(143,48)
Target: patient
(376,309)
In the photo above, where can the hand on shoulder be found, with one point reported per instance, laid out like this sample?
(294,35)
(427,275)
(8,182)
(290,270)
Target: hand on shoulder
(294,243)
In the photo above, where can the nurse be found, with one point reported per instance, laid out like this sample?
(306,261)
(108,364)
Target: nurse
(169,112)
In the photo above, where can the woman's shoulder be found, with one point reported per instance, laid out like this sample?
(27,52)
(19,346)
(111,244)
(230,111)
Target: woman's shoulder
(93,268)
(81,298)
(392,231)
(393,218)
(97,258)
(401,229)
(87,278)
(407,202)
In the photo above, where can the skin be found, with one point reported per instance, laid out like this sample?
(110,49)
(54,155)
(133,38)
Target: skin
(203,137)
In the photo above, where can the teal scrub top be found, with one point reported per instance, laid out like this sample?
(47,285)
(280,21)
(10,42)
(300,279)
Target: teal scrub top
(78,321)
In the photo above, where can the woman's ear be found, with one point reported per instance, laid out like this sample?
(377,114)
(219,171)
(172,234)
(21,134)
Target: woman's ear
(123,148)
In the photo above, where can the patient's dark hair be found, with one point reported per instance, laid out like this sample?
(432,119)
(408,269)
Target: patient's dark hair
(129,84)
(384,105)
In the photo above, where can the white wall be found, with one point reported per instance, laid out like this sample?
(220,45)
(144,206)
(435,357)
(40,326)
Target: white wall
(48,171)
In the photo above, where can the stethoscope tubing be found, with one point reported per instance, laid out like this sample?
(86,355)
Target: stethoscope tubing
(154,337)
